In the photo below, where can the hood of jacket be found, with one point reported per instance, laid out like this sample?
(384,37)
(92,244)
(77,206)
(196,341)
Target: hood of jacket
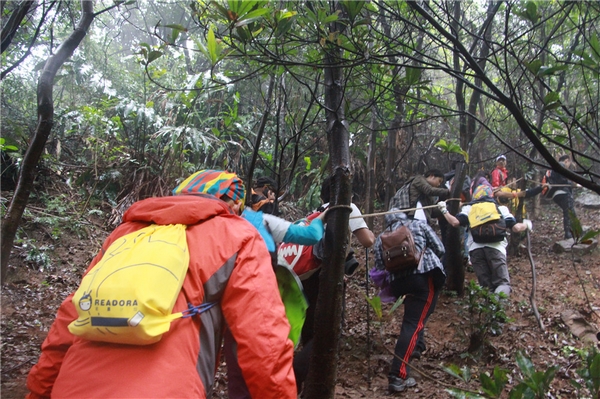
(179,209)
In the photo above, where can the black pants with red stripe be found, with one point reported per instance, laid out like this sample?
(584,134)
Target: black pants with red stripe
(422,291)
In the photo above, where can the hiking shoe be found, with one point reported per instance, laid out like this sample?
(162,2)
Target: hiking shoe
(397,384)
(416,354)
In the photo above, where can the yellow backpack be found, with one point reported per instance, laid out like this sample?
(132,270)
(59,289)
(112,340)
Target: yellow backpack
(128,296)
(486,222)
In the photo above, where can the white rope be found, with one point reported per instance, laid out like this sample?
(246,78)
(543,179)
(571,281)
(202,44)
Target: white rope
(399,210)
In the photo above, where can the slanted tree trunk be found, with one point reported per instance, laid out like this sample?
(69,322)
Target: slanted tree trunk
(322,373)
(14,22)
(261,131)
(44,127)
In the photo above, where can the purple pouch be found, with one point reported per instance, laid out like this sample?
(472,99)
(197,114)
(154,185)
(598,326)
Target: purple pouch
(381,280)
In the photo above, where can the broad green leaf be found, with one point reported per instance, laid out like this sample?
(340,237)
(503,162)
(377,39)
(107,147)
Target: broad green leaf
(493,387)
(518,391)
(375,303)
(353,8)
(211,46)
(586,239)
(174,35)
(283,26)
(176,27)
(454,371)
(413,75)
(551,97)
(531,12)
(224,11)
(241,7)
(534,66)
(252,16)
(154,54)
(525,364)
(547,71)
(575,224)
(7,147)
(331,18)
(595,45)
(552,106)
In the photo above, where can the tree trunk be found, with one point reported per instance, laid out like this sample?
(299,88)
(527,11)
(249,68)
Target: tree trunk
(467,128)
(13,24)
(261,131)
(371,163)
(323,363)
(44,127)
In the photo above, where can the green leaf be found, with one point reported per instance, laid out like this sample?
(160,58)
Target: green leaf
(595,45)
(7,147)
(493,387)
(547,71)
(461,394)
(551,97)
(534,66)
(375,303)
(353,8)
(153,55)
(252,16)
(413,75)
(518,391)
(176,27)
(457,372)
(331,18)
(552,106)
(224,11)
(531,11)
(308,162)
(587,237)
(211,46)
(398,302)
(525,364)
(174,36)
(576,228)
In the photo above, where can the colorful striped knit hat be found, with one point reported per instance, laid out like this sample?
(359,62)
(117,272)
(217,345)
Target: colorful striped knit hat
(213,182)
(483,190)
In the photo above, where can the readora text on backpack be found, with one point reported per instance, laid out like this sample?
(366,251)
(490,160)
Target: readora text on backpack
(129,295)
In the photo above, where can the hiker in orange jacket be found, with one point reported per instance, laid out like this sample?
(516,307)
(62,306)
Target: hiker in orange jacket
(230,265)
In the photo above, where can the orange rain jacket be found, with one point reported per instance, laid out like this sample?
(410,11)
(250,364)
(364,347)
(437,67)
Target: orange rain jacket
(229,263)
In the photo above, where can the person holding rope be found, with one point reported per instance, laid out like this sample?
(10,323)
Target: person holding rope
(487,257)
(421,191)
(366,238)
(420,286)
(560,189)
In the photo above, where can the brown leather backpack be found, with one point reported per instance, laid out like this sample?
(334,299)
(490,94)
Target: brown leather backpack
(399,250)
